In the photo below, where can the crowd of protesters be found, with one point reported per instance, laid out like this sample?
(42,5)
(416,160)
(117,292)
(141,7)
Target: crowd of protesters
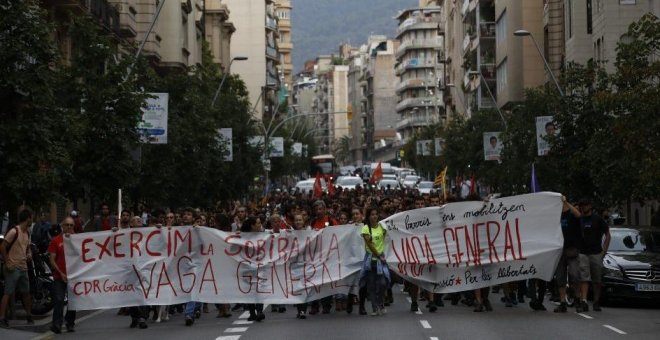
(579,267)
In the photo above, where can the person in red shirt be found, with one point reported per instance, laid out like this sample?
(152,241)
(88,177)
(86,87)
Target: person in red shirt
(57,263)
(321,217)
(321,220)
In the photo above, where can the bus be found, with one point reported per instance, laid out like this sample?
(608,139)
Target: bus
(325,165)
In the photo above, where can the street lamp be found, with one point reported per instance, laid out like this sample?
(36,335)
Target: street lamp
(491,96)
(525,33)
(224,76)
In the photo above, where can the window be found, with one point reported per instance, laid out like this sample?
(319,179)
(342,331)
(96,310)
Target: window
(627,2)
(589,17)
(500,28)
(502,77)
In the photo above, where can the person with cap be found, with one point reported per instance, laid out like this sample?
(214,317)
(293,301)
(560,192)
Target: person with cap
(77,222)
(592,250)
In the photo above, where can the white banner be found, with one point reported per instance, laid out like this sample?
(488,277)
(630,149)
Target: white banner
(439,142)
(149,266)
(225,137)
(277,147)
(492,146)
(456,247)
(468,245)
(297,149)
(153,124)
(545,126)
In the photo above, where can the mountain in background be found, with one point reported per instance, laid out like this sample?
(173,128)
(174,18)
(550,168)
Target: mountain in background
(319,26)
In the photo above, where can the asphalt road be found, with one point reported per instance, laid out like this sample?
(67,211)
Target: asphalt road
(450,322)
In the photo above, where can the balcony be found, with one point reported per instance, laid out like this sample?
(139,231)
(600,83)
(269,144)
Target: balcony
(410,84)
(414,121)
(284,24)
(418,102)
(487,30)
(127,24)
(103,13)
(419,44)
(420,23)
(271,53)
(285,46)
(488,71)
(271,23)
(415,63)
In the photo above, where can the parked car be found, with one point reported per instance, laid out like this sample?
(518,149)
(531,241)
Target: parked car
(307,185)
(349,182)
(632,265)
(347,170)
(410,181)
(425,187)
(391,184)
(389,176)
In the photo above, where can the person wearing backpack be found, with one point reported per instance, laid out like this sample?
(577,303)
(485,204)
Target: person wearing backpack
(15,250)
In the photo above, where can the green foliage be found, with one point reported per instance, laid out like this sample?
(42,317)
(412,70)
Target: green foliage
(31,131)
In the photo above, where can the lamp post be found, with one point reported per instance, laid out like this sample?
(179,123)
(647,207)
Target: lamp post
(525,33)
(224,76)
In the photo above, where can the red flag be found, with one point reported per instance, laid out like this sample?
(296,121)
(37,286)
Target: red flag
(473,185)
(377,175)
(318,189)
(331,187)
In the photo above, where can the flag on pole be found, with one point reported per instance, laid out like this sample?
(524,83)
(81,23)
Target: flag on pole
(377,175)
(441,181)
(473,185)
(535,182)
(331,187)
(318,189)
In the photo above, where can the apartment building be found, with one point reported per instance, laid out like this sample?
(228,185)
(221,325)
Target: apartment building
(420,66)
(381,96)
(357,105)
(256,38)
(285,45)
(592,28)
(331,102)
(518,64)
(218,32)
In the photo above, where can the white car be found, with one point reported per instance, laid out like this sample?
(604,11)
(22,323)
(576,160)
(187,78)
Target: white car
(389,176)
(349,182)
(410,181)
(307,185)
(392,183)
(425,187)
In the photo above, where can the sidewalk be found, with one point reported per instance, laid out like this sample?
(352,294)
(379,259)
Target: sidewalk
(19,329)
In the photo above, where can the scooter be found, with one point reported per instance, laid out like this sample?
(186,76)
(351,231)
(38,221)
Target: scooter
(41,282)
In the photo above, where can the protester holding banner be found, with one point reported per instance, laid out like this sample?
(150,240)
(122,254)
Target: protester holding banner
(321,220)
(58,264)
(193,308)
(568,267)
(375,267)
(595,242)
(253,225)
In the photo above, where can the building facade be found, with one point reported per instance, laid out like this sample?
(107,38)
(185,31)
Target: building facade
(420,66)
(218,32)
(256,38)
(285,44)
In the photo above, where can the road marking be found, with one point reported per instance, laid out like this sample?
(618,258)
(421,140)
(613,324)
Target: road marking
(418,312)
(228,337)
(585,316)
(425,324)
(434,338)
(242,322)
(409,299)
(236,330)
(615,329)
(245,315)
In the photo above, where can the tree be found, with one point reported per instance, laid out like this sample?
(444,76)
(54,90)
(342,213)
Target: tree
(102,110)
(32,128)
